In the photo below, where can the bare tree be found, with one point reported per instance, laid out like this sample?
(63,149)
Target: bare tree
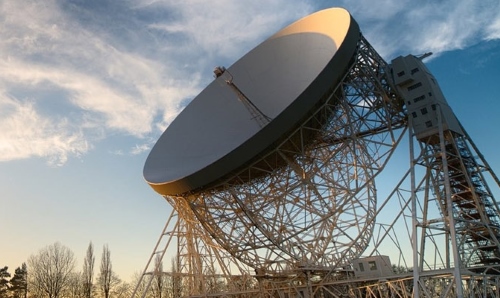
(140,285)
(177,287)
(51,269)
(75,286)
(106,276)
(159,277)
(88,271)
(121,290)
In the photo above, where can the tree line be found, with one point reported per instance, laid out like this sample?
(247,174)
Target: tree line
(51,273)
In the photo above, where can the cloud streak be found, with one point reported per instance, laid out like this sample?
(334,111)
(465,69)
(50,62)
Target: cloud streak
(403,27)
(26,133)
(106,89)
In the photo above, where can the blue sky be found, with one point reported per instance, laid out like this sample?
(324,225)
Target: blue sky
(87,86)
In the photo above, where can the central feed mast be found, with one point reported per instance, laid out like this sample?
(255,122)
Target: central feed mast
(259,116)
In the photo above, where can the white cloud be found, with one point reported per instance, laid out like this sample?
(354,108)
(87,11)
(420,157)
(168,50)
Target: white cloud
(138,149)
(493,30)
(403,27)
(382,11)
(24,133)
(119,110)
(108,89)
(227,29)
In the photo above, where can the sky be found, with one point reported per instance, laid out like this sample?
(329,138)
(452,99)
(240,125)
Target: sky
(88,86)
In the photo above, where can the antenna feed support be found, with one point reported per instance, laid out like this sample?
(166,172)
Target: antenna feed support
(218,71)
(423,56)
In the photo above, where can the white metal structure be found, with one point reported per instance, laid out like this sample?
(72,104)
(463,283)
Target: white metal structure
(290,208)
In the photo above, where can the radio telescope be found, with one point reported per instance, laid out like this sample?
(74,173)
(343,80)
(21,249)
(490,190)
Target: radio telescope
(271,171)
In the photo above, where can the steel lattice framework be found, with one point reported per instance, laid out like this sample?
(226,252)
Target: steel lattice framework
(475,213)
(317,207)
(290,223)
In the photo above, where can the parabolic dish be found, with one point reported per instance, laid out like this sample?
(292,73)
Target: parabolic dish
(285,77)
